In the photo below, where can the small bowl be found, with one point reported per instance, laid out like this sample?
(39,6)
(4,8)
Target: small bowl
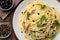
(3,37)
(8,8)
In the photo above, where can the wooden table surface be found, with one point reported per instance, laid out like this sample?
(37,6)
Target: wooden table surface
(9,19)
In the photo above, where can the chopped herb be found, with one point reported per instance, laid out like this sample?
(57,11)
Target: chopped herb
(32,33)
(42,6)
(56,23)
(39,23)
(51,36)
(27,15)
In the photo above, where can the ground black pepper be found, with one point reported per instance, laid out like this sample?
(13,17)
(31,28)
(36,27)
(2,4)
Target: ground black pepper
(52,26)
(38,13)
(33,21)
(4,30)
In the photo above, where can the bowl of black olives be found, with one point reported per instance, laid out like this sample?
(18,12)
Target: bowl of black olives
(6,5)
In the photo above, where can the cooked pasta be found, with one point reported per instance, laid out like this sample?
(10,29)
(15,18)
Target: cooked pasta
(40,21)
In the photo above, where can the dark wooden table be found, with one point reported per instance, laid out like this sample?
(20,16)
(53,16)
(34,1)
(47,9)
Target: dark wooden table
(9,19)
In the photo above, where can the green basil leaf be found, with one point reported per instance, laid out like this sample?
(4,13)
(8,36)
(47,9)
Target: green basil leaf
(51,36)
(27,15)
(56,23)
(32,33)
(39,23)
(42,6)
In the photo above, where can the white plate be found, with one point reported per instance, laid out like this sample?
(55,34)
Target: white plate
(21,7)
